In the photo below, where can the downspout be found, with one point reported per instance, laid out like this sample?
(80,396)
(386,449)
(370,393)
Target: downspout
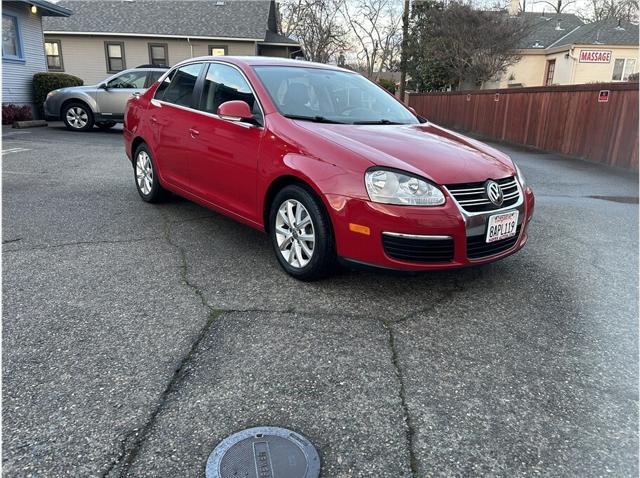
(573,63)
(190,46)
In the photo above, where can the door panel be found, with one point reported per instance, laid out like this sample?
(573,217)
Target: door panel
(171,121)
(225,160)
(119,89)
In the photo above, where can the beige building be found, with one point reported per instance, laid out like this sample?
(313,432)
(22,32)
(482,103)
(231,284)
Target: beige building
(107,36)
(562,50)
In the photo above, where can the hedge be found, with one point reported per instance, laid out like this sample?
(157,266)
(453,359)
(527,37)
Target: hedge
(43,83)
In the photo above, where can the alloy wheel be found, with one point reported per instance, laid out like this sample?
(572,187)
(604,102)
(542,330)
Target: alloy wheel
(77,117)
(144,172)
(295,234)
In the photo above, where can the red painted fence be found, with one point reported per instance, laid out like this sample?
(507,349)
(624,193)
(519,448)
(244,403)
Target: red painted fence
(566,119)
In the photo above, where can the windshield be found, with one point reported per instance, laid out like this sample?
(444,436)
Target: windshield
(330,96)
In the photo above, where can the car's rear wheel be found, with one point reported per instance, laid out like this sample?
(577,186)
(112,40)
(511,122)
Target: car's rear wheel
(105,124)
(301,234)
(145,175)
(77,117)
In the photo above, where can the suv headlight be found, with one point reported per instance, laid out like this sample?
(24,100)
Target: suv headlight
(393,187)
(51,93)
(523,182)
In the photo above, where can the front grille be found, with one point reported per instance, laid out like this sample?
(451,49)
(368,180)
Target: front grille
(418,250)
(478,248)
(472,197)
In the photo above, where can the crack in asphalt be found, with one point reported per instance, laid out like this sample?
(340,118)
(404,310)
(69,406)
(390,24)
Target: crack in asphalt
(389,324)
(133,440)
(410,429)
(78,243)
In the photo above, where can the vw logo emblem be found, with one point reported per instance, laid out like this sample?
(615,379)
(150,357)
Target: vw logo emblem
(494,193)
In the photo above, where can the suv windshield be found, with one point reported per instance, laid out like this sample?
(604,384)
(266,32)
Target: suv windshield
(330,96)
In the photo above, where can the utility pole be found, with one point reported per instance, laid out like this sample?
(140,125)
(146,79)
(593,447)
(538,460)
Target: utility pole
(404,48)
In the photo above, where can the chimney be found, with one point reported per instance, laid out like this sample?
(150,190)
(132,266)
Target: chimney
(514,7)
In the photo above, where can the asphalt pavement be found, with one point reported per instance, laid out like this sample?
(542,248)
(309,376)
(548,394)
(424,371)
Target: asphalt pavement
(136,336)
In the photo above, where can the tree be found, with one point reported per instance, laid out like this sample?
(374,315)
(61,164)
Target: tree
(597,10)
(375,26)
(317,25)
(454,44)
(558,6)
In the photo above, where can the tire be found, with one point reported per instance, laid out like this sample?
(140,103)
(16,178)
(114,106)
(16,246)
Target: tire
(105,124)
(145,176)
(292,248)
(77,116)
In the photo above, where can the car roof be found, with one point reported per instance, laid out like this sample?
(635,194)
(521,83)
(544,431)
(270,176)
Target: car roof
(266,61)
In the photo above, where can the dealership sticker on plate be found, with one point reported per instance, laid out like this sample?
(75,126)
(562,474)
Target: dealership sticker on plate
(502,226)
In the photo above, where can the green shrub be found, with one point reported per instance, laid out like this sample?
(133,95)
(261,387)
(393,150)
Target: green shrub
(634,77)
(12,113)
(388,85)
(43,83)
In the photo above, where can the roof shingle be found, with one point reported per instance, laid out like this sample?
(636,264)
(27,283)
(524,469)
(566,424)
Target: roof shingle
(196,18)
(547,28)
(605,32)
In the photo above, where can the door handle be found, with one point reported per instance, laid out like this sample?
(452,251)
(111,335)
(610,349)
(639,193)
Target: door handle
(194,132)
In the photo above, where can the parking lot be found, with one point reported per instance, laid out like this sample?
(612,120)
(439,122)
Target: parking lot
(137,336)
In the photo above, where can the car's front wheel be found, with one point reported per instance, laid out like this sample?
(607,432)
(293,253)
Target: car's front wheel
(301,234)
(146,176)
(77,117)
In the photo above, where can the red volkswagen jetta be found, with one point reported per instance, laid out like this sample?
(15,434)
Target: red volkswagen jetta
(327,163)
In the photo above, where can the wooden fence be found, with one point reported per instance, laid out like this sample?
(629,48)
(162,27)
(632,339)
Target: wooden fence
(566,119)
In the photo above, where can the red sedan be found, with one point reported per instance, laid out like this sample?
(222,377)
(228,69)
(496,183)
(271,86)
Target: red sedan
(327,163)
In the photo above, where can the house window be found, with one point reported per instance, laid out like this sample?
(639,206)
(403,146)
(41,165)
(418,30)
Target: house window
(551,68)
(218,50)
(622,68)
(114,52)
(53,52)
(11,41)
(158,54)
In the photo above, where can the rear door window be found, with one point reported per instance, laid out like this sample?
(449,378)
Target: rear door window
(225,83)
(180,88)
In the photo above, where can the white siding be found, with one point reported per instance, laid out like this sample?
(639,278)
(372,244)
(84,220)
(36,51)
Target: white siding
(17,77)
(84,55)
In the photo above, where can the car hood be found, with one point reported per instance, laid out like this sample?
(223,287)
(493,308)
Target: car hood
(440,155)
(76,89)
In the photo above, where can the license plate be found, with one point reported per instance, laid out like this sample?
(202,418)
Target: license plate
(502,226)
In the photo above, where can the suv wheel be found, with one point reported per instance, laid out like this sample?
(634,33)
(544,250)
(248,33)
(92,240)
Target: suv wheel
(77,117)
(301,234)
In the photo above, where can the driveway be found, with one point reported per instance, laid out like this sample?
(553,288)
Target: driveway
(137,336)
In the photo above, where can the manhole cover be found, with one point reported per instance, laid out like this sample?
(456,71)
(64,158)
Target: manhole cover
(264,452)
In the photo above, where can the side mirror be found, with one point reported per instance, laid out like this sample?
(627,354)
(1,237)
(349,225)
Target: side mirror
(235,110)
(103,86)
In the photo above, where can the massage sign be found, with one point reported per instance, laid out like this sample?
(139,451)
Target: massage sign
(595,56)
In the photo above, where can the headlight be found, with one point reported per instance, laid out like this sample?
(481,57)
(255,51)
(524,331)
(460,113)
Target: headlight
(51,93)
(523,182)
(391,187)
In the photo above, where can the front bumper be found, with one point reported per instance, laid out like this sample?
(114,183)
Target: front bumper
(444,221)
(51,109)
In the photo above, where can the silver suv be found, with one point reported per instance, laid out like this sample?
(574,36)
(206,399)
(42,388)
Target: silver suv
(102,105)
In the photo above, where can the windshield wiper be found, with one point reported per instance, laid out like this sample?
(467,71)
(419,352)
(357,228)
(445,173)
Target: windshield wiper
(382,121)
(315,119)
